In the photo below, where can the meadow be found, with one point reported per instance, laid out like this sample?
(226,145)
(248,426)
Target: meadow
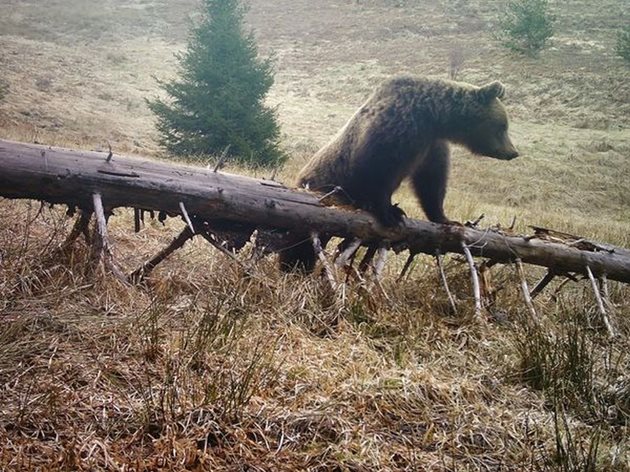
(211,367)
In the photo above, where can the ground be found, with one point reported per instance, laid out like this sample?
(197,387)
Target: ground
(206,368)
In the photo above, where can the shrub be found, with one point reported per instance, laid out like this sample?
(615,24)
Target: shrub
(216,105)
(525,26)
(622,48)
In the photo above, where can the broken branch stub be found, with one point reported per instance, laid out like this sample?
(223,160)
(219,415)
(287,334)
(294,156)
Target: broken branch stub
(474,280)
(145,269)
(101,249)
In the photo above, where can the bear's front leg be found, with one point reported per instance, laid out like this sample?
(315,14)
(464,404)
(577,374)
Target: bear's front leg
(387,214)
(429,182)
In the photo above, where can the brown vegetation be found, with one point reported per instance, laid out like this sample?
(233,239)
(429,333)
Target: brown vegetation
(209,368)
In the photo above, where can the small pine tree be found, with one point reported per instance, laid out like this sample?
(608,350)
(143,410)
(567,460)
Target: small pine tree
(216,104)
(622,48)
(525,26)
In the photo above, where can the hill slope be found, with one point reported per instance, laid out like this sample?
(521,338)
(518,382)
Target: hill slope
(206,368)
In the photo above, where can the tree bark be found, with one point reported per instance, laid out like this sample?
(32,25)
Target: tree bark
(57,175)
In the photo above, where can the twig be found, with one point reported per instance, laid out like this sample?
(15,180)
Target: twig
(101,250)
(511,227)
(221,160)
(377,269)
(380,252)
(612,332)
(110,155)
(379,265)
(367,258)
(80,226)
(381,258)
(334,191)
(347,252)
(356,274)
(137,218)
(540,286)
(222,249)
(603,284)
(576,242)
(438,260)
(475,280)
(408,262)
(349,268)
(319,251)
(474,223)
(141,272)
(186,217)
(100,230)
(486,287)
(569,278)
(525,288)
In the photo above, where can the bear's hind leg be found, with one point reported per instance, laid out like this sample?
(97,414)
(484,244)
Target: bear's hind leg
(429,182)
(299,255)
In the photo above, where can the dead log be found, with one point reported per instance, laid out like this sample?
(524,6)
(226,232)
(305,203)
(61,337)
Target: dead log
(57,175)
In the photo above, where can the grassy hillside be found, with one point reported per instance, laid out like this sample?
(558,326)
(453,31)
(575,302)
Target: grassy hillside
(206,368)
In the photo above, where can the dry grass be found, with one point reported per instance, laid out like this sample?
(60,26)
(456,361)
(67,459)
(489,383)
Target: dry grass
(208,368)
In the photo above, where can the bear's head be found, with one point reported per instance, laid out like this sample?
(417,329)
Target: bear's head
(485,127)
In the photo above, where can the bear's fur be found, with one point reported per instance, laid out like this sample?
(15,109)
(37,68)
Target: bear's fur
(403,130)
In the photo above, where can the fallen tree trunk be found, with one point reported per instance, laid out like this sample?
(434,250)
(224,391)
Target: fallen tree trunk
(70,177)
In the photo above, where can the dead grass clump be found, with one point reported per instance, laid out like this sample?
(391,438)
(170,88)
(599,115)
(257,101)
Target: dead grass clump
(581,373)
(576,363)
(221,364)
(217,364)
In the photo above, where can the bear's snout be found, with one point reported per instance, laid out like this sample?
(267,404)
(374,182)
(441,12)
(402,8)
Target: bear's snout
(503,154)
(511,155)
(507,151)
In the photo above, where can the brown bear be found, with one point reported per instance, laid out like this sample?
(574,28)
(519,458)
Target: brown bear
(403,130)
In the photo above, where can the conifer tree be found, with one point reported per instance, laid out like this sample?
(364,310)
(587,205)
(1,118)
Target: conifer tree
(216,103)
(622,48)
(525,26)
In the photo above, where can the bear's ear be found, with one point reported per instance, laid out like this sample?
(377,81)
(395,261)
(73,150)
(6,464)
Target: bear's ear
(490,91)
